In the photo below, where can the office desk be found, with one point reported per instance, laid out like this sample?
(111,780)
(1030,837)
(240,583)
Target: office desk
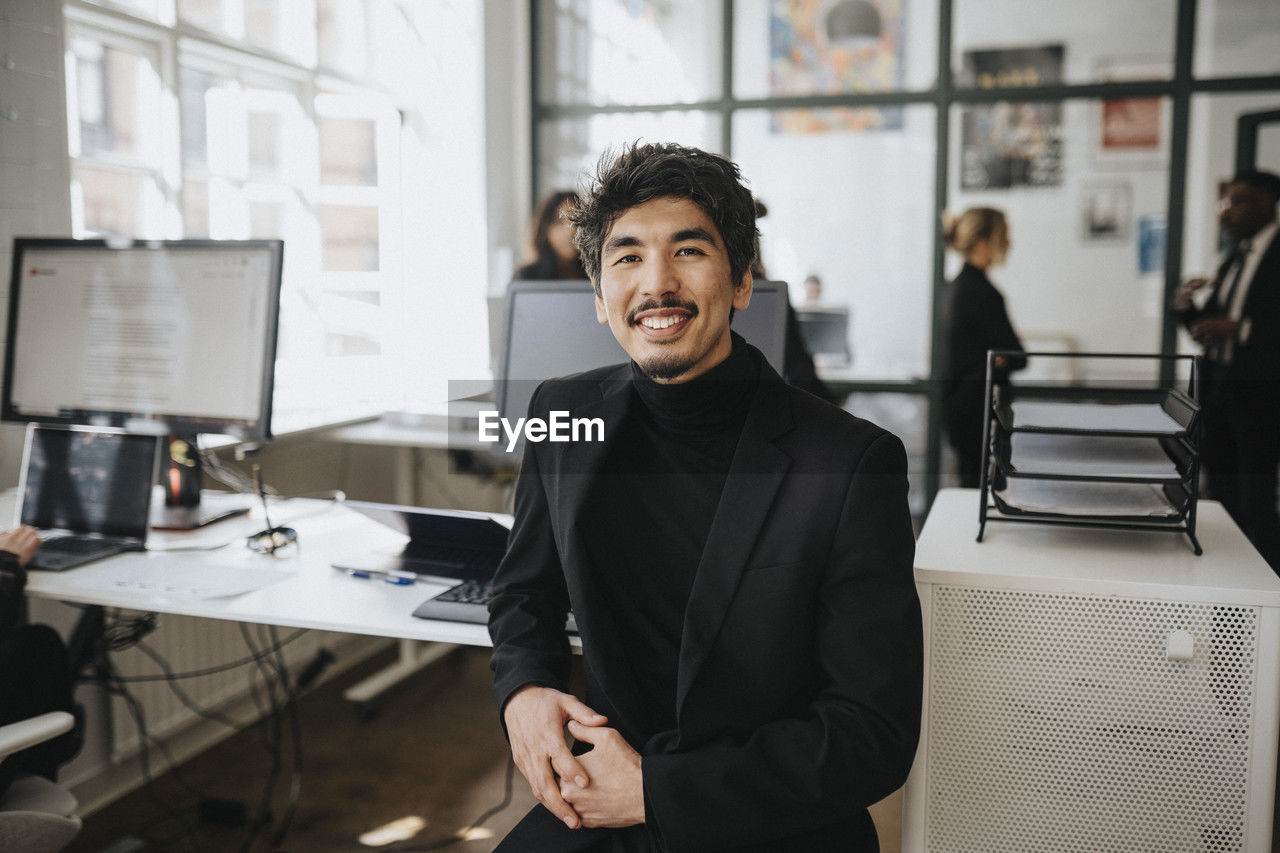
(1091,689)
(305,592)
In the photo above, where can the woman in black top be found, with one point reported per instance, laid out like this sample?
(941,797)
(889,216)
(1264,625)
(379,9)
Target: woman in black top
(553,254)
(35,676)
(976,322)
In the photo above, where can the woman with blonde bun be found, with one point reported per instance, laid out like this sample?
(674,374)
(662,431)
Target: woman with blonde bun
(976,321)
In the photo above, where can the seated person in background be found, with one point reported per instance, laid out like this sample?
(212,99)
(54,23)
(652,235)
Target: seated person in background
(35,677)
(797,362)
(737,554)
(812,291)
(553,256)
(976,322)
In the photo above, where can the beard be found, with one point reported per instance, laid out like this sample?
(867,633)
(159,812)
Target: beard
(662,367)
(666,365)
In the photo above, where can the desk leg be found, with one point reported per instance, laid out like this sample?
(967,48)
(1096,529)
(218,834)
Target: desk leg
(415,655)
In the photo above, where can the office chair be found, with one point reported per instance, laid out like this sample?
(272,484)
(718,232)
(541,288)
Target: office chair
(36,815)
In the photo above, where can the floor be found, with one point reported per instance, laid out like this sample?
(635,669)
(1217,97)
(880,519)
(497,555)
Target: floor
(433,751)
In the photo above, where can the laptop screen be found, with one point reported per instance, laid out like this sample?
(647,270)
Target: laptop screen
(88,481)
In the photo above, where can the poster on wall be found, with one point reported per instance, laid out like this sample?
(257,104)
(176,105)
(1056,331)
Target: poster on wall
(827,47)
(1130,132)
(1105,212)
(1152,234)
(1005,145)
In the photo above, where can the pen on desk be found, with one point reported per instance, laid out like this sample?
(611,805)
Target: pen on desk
(398,578)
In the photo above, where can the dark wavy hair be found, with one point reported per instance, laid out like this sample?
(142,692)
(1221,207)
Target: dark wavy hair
(643,173)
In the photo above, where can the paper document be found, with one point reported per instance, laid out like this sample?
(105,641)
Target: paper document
(1098,417)
(1090,456)
(1094,499)
(176,581)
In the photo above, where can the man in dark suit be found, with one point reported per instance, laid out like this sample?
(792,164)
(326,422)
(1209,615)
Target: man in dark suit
(1239,326)
(737,554)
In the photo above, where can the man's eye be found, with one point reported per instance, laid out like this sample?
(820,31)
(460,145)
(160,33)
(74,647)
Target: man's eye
(690,250)
(627,259)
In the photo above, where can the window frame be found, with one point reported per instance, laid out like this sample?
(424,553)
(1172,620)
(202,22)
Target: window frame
(173,45)
(944,94)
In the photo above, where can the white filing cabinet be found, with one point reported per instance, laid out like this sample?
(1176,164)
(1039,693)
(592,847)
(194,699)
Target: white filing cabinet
(1093,689)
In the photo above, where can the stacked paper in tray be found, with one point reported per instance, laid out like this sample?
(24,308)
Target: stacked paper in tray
(1090,456)
(1137,418)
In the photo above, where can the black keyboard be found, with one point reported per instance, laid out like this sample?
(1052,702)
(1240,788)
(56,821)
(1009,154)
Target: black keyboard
(467,602)
(65,552)
(75,545)
(469,592)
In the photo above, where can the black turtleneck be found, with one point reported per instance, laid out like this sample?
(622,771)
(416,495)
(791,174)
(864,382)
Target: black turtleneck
(651,510)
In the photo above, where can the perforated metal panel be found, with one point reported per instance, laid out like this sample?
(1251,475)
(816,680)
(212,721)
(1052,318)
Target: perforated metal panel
(1057,722)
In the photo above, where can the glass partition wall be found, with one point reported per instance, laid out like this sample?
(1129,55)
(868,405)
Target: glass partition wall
(1100,127)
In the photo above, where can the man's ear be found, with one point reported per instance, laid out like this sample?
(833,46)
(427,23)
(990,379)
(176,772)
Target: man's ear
(742,293)
(602,316)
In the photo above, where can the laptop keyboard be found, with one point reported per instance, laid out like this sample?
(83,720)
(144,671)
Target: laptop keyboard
(75,545)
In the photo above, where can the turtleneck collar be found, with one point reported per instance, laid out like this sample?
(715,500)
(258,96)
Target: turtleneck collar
(712,402)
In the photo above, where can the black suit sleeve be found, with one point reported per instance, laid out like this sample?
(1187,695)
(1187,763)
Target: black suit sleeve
(990,318)
(528,611)
(855,742)
(13,581)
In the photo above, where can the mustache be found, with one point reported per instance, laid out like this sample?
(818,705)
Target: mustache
(668,301)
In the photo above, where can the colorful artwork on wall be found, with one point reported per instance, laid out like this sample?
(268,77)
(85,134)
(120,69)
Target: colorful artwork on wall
(827,47)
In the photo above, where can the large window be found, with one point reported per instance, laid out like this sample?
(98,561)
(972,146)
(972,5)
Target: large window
(263,141)
(859,122)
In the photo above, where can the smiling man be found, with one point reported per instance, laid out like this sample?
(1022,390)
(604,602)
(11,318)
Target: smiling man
(737,554)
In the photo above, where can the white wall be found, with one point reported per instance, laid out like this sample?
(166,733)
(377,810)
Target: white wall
(35,195)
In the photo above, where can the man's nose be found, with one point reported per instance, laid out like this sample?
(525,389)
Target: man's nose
(660,278)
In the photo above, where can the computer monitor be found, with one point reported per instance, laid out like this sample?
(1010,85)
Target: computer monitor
(175,336)
(550,329)
(825,333)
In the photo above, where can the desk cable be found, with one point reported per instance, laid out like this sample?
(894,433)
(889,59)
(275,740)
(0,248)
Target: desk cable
(267,655)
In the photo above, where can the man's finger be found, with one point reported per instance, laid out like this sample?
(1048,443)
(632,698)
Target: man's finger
(593,735)
(567,767)
(547,790)
(578,710)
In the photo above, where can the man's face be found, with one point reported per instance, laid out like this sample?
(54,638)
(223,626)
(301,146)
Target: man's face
(665,289)
(1244,210)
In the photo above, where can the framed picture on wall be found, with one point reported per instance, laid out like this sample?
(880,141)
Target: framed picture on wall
(1131,133)
(819,47)
(1152,234)
(1011,144)
(1105,212)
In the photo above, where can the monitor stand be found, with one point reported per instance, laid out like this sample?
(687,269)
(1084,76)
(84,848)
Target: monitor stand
(183,508)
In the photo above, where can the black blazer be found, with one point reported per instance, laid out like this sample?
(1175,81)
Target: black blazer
(800,669)
(1255,364)
(976,321)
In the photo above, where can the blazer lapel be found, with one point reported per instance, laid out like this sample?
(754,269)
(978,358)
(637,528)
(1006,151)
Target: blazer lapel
(755,475)
(574,472)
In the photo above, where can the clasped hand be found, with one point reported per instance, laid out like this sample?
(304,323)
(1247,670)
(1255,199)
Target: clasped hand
(601,788)
(1213,330)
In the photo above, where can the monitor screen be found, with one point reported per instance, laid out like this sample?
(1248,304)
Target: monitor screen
(551,330)
(825,332)
(88,480)
(177,332)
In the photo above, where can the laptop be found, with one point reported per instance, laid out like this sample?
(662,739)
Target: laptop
(87,490)
(446,546)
